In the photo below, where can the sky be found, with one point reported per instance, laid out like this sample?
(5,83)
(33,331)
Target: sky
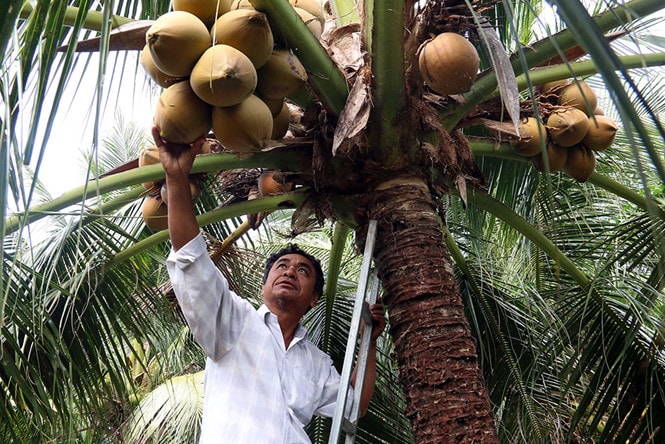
(63,166)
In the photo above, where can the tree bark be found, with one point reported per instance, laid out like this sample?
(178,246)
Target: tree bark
(447,400)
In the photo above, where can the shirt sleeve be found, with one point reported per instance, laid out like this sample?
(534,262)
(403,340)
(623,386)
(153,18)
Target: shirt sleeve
(329,395)
(215,314)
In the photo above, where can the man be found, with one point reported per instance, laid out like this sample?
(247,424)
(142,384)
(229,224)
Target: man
(264,380)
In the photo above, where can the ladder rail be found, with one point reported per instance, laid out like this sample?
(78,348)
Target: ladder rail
(363,358)
(345,377)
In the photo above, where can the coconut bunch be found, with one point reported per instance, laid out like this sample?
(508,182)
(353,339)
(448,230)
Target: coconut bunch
(574,129)
(221,70)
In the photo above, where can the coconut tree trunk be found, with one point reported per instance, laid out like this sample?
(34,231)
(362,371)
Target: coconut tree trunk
(447,398)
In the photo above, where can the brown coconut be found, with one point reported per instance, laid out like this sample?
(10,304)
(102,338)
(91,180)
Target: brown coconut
(223,76)
(567,126)
(533,136)
(206,10)
(601,134)
(155,213)
(580,163)
(268,186)
(181,116)
(314,7)
(312,22)
(553,87)
(157,76)
(194,189)
(579,95)
(149,156)
(176,41)
(280,123)
(281,76)
(275,105)
(244,127)
(241,4)
(556,156)
(448,63)
(248,31)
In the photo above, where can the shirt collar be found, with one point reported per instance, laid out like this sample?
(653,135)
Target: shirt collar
(265,313)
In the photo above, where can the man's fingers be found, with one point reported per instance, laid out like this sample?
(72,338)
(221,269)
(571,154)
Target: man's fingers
(156,137)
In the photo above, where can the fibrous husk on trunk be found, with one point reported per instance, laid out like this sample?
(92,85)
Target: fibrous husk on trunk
(433,342)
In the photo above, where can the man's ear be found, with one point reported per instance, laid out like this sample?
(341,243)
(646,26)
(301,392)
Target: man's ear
(315,300)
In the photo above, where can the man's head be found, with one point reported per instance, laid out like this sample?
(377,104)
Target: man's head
(292,282)
(294,249)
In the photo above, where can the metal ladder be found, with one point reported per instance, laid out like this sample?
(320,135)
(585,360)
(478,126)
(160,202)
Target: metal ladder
(360,310)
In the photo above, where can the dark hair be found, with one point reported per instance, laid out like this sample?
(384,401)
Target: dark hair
(295,249)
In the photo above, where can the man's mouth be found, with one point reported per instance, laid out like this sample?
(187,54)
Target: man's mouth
(286,283)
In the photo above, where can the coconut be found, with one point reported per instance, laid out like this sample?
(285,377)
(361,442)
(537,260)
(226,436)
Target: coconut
(241,4)
(280,123)
(157,76)
(154,213)
(580,163)
(553,86)
(448,63)
(268,186)
(313,22)
(598,111)
(579,95)
(531,138)
(556,157)
(149,156)
(206,10)
(223,76)
(181,116)
(176,41)
(248,31)
(602,131)
(314,7)
(244,127)
(568,126)
(281,76)
(194,189)
(274,105)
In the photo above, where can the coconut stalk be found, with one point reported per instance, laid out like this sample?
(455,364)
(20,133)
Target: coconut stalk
(283,158)
(94,20)
(325,78)
(388,85)
(484,147)
(283,201)
(581,69)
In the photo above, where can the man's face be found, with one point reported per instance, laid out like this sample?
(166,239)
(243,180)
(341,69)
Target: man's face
(290,284)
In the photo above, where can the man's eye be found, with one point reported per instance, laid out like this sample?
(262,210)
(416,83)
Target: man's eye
(281,266)
(303,270)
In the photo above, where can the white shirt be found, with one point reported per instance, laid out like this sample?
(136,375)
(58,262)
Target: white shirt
(255,390)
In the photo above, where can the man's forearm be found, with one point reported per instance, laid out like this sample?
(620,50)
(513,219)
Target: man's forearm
(182,221)
(369,381)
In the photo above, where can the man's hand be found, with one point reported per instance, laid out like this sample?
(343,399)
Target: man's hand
(177,158)
(378,319)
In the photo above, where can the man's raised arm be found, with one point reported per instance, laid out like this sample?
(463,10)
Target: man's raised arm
(177,160)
